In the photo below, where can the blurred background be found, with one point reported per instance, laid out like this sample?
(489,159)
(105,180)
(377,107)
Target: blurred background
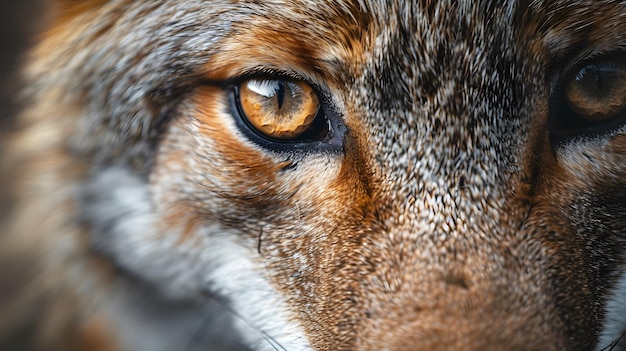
(20,21)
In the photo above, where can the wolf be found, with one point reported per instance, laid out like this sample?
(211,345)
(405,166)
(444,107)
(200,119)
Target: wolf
(318,175)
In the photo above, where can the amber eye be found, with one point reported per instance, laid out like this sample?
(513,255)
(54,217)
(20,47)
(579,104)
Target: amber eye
(279,109)
(598,91)
(594,97)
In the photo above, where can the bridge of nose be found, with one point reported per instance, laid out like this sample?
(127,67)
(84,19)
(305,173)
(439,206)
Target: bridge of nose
(429,297)
(452,264)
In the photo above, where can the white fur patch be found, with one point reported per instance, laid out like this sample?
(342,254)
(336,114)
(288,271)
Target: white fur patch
(214,261)
(252,297)
(615,323)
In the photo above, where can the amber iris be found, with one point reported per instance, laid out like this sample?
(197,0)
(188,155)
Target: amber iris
(597,92)
(278,109)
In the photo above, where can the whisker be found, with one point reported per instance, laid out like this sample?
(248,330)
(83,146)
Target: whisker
(298,211)
(614,344)
(198,334)
(270,340)
(206,325)
(260,237)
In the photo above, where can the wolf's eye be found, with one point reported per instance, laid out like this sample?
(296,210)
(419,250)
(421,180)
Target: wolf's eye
(593,98)
(285,114)
(598,92)
(284,110)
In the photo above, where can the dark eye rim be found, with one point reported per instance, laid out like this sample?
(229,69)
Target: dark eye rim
(327,117)
(565,124)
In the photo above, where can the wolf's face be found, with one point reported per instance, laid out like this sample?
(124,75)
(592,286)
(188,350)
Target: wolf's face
(345,175)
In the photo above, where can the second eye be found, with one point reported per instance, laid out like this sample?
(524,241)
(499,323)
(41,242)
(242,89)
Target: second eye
(282,109)
(591,98)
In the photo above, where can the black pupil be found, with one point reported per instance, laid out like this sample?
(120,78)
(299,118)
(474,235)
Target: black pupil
(280,94)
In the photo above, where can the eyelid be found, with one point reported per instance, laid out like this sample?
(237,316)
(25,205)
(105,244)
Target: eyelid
(265,73)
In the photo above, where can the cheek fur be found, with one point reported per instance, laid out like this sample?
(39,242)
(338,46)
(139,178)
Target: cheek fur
(207,170)
(205,165)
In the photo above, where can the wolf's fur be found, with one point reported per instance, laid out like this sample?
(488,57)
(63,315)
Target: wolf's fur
(443,215)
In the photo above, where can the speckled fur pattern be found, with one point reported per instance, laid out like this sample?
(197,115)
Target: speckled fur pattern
(447,219)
